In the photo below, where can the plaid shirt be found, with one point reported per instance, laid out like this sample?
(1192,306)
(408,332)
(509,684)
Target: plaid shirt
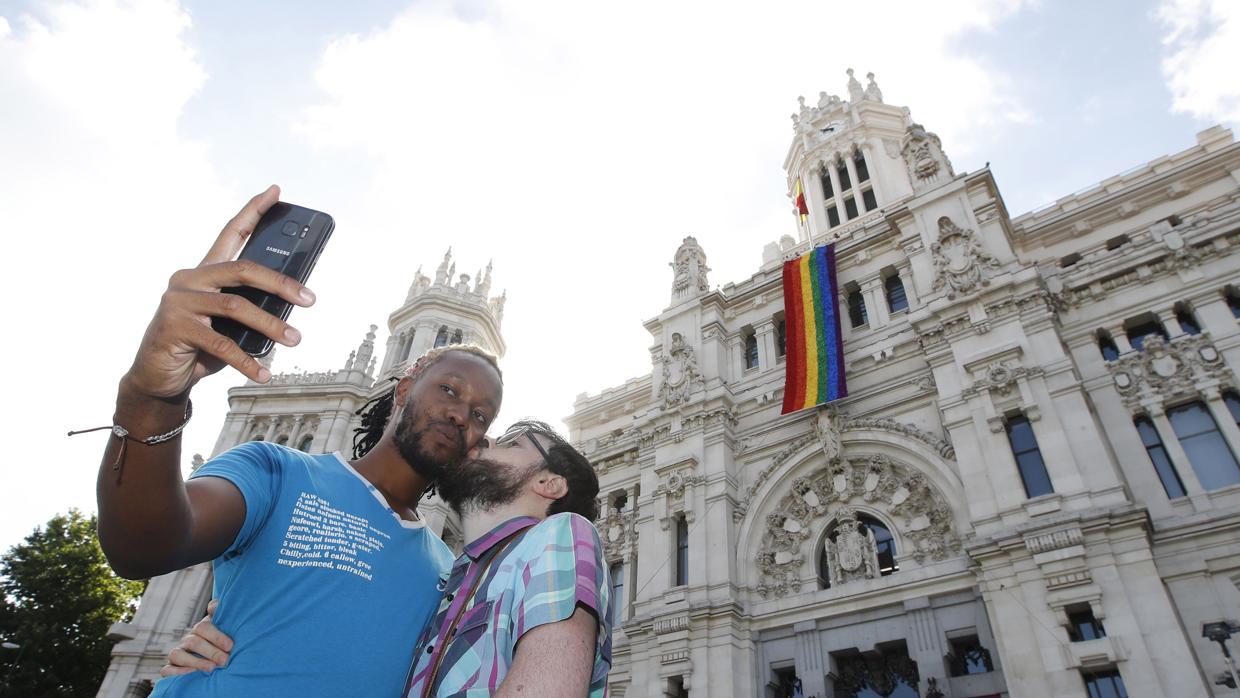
(540,577)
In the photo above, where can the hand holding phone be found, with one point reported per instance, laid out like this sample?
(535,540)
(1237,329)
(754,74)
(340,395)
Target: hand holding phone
(288,239)
(181,347)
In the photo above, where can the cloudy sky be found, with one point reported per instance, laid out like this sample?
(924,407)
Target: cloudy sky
(575,143)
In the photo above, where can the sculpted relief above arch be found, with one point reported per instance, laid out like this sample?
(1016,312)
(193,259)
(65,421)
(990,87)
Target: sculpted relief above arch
(922,518)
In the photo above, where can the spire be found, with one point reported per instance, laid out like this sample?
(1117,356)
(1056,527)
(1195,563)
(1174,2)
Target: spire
(484,282)
(442,274)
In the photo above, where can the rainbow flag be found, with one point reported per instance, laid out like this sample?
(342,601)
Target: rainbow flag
(814,362)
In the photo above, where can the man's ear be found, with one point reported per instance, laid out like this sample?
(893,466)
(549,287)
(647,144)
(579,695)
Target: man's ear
(549,485)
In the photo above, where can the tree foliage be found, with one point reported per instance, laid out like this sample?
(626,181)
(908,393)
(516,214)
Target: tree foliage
(58,597)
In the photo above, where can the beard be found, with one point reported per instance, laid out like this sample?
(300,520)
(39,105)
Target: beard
(479,484)
(409,444)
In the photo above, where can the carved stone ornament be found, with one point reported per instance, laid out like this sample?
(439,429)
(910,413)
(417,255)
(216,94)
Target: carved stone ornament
(875,673)
(960,263)
(924,156)
(827,429)
(689,267)
(841,423)
(619,533)
(680,373)
(999,378)
(854,553)
(677,482)
(1168,371)
(918,510)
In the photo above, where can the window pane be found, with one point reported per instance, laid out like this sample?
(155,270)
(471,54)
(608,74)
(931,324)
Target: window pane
(751,351)
(617,590)
(863,172)
(1205,447)
(1167,473)
(782,338)
(841,171)
(868,197)
(1233,302)
(1233,405)
(1020,431)
(833,216)
(827,191)
(1028,458)
(896,299)
(856,309)
(1138,333)
(1106,345)
(1107,684)
(1190,420)
(1188,323)
(682,551)
(850,207)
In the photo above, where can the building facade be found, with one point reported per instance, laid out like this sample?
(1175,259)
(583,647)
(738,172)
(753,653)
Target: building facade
(1031,490)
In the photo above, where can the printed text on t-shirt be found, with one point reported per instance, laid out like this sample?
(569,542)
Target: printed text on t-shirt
(320,535)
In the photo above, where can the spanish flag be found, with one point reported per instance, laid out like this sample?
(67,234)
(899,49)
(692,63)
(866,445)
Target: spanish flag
(814,364)
(801,207)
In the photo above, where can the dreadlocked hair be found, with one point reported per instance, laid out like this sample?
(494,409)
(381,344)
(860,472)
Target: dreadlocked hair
(376,413)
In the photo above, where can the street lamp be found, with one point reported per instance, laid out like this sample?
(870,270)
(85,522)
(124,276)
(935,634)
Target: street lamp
(1220,631)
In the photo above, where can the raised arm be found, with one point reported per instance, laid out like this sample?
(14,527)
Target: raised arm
(150,521)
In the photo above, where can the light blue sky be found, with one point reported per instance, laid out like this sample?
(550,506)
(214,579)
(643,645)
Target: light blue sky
(574,143)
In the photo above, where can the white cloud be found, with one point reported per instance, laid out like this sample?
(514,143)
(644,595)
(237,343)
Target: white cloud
(99,193)
(1201,48)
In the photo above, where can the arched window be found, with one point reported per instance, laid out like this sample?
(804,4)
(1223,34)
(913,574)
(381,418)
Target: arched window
(896,298)
(883,541)
(682,551)
(1106,345)
(441,338)
(304,445)
(456,338)
(257,437)
(282,439)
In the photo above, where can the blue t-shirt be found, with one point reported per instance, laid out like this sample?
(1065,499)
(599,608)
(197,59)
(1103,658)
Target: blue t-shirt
(325,590)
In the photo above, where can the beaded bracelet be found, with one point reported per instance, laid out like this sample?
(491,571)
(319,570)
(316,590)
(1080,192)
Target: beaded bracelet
(123,434)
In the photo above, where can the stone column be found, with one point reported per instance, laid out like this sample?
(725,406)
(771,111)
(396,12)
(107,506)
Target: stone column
(856,186)
(868,153)
(1120,337)
(924,641)
(809,664)
(1169,322)
(271,428)
(875,300)
(836,200)
(905,272)
(765,334)
(296,431)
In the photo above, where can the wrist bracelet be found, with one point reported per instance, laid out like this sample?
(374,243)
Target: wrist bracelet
(123,434)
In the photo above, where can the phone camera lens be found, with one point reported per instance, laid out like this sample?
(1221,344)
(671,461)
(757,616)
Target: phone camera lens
(291,228)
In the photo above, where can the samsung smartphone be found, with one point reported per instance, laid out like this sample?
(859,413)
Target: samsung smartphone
(288,239)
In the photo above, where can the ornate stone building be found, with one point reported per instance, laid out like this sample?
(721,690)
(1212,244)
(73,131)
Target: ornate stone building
(1032,489)
(314,412)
